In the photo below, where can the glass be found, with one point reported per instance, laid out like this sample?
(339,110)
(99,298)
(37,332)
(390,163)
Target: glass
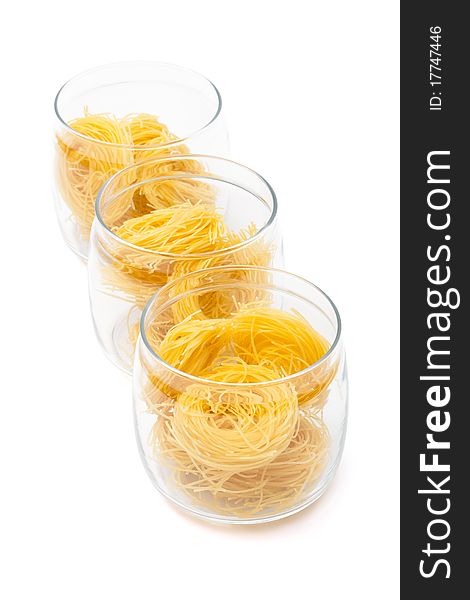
(123,276)
(122,100)
(236,452)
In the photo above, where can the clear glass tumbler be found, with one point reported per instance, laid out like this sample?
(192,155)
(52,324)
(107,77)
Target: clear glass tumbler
(124,275)
(240,414)
(120,114)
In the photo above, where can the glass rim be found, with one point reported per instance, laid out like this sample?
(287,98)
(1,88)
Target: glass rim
(195,378)
(183,175)
(149,63)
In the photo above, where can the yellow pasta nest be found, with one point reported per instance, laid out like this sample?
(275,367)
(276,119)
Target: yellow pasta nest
(166,243)
(83,165)
(219,302)
(256,335)
(277,486)
(184,229)
(235,429)
(286,342)
(106,144)
(240,449)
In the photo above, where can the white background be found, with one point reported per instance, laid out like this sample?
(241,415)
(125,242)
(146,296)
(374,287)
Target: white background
(310,93)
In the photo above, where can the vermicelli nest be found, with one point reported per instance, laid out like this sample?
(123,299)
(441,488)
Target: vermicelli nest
(216,427)
(99,145)
(164,244)
(275,487)
(256,335)
(239,449)
(220,302)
